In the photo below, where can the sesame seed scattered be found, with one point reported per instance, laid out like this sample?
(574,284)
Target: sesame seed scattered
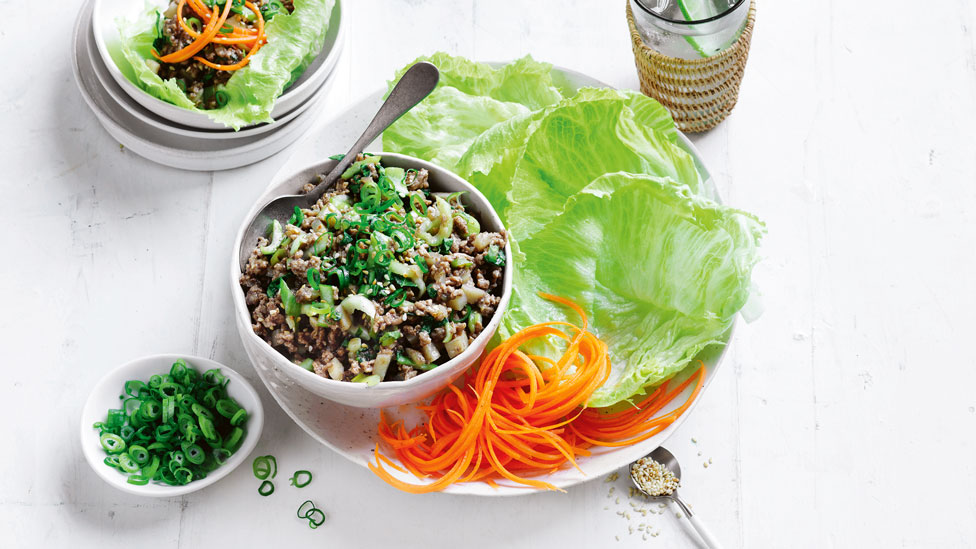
(617,537)
(693,441)
(612,477)
(705,464)
(617,501)
(678,514)
(709,461)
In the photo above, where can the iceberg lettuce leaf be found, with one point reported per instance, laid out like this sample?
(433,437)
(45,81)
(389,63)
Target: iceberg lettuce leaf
(660,270)
(470,99)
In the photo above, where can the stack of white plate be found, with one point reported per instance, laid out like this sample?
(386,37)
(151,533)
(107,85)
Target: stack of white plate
(178,137)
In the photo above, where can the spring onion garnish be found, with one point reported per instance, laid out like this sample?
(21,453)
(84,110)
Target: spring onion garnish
(173,428)
(301,478)
(297,217)
(264,467)
(222,97)
(267,488)
(314,278)
(315,516)
(337,157)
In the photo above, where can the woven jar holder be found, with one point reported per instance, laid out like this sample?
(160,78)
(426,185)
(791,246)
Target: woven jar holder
(700,93)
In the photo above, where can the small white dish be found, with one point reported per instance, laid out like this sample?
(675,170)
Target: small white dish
(105,396)
(387,393)
(107,39)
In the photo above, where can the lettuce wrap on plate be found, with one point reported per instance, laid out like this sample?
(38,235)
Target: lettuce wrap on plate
(230,63)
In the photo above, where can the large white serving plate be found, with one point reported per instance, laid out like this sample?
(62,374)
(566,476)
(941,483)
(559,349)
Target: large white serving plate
(164,146)
(352,431)
(106,33)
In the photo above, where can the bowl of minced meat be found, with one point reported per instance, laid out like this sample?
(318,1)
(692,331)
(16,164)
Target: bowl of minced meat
(384,291)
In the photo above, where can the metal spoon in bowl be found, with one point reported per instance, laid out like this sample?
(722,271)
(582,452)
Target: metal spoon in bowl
(667,459)
(413,87)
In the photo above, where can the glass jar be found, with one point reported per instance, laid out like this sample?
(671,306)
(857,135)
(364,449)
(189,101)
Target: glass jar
(689,29)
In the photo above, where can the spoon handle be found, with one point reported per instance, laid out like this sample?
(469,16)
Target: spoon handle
(710,541)
(703,531)
(413,87)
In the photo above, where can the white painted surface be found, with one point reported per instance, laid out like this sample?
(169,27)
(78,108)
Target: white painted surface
(853,139)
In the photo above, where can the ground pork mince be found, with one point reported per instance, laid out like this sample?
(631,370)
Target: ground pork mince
(203,84)
(381,279)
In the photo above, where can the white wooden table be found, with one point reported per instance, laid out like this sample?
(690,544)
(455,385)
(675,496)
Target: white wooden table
(845,416)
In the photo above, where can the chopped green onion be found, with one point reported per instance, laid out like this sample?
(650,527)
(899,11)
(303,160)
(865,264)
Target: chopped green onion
(308,364)
(297,217)
(314,278)
(167,427)
(266,489)
(194,454)
(139,480)
(239,418)
(315,518)
(128,464)
(139,454)
(222,97)
(112,443)
(264,467)
(417,204)
(297,482)
(337,157)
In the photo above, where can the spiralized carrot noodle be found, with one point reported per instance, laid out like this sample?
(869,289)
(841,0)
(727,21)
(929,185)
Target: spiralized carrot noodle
(511,420)
(217,32)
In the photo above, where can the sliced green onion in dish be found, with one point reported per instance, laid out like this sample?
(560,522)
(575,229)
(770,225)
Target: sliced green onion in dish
(175,429)
(267,488)
(297,217)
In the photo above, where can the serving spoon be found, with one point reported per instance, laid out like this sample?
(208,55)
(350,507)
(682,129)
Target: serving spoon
(413,87)
(667,459)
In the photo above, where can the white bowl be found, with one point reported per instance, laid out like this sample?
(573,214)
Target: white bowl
(166,147)
(228,136)
(105,396)
(107,39)
(388,393)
